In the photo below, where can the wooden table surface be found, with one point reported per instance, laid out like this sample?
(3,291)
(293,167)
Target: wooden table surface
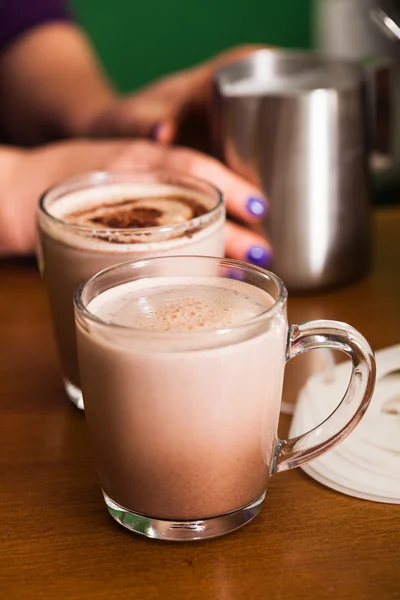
(58,542)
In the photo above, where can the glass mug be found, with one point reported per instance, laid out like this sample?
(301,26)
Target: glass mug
(73,249)
(182,362)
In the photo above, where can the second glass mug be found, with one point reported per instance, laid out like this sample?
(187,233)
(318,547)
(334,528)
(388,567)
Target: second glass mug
(71,252)
(184,421)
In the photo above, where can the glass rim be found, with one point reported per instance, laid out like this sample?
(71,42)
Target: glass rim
(276,308)
(101,177)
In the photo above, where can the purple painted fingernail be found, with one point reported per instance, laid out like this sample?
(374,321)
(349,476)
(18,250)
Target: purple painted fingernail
(256,206)
(259,256)
(155,130)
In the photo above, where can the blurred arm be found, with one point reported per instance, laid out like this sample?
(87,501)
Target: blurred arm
(51,84)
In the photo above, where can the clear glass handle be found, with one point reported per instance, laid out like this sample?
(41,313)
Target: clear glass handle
(336,336)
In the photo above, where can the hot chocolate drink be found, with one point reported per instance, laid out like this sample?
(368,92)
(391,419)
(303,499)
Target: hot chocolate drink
(182,362)
(102,219)
(182,416)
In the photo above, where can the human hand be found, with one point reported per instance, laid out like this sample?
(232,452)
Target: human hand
(244,202)
(172,109)
(24,175)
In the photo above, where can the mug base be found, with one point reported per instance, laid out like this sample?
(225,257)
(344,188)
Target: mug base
(73,393)
(183,531)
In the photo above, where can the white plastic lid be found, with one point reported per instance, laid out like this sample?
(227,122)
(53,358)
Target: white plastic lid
(367,463)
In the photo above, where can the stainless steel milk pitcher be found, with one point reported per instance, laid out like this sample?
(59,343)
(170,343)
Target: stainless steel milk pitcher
(295,124)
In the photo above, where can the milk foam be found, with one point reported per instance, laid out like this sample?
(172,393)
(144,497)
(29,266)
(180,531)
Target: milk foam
(84,207)
(181,303)
(138,212)
(155,194)
(183,430)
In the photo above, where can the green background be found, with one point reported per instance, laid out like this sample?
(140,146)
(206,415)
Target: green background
(139,40)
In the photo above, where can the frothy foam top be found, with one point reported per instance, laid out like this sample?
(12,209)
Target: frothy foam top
(139,212)
(130,205)
(131,213)
(180,304)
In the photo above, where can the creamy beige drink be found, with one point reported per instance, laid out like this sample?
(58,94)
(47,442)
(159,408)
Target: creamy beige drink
(182,362)
(102,219)
(183,417)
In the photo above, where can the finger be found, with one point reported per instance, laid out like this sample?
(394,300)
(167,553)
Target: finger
(137,118)
(164,132)
(144,119)
(154,122)
(243,200)
(243,244)
(167,129)
(236,53)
